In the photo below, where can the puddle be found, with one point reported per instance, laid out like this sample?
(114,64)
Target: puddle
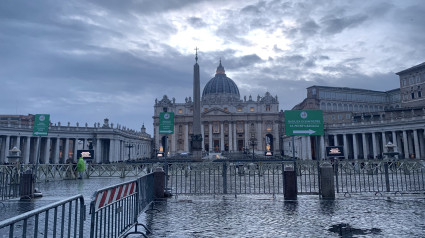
(346,230)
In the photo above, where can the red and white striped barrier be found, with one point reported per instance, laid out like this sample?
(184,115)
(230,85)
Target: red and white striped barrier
(114,194)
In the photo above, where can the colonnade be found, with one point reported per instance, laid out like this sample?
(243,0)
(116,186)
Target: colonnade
(61,145)
(221,136)
(371,143)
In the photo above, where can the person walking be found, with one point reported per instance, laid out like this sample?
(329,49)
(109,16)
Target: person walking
(81,166)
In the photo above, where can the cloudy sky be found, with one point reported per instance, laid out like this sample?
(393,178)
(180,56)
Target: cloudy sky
(86,60)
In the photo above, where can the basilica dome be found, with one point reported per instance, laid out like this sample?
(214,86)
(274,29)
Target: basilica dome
(220,88)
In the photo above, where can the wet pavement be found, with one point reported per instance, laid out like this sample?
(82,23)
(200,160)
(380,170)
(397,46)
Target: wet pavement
(361,215)
(54,191)
(263,216)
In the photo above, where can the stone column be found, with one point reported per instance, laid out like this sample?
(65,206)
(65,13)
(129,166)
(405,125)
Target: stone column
(27,150)
(260,145)
(117,149)
(6,150)
(174,139)
(405,142)
(374,147)
(230,137)
(210,135)
(111,150)
(75,149)
(303,153)
(235,142)
(186,137)
(157,139)
(346,152)
(246,138)
(66,151)
(365,149)
(410,143)
(416,142)
(57,148)
(355,147)
(18,142)
(47,151)
(203,136)
(308,149)
(394,135)
(98,151)
(85,146)
(336,140)
(276,141)
(221,136)
(322,147)
(384,142)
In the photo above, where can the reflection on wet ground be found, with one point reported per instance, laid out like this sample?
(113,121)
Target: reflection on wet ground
(56,191)
(263,216)
(363,215)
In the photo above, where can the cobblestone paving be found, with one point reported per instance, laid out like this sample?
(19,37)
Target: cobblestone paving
(361,215)
(263,216)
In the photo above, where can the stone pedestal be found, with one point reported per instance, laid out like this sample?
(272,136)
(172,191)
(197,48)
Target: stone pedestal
(290,178)
(159,182)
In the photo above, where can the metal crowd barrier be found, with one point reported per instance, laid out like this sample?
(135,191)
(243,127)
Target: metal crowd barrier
(60,219)
(357,176)
(237,177)
(114,210)
(9,183)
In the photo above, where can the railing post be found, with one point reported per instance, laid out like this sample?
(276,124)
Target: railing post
(335,165)
(159,182)
(387,177)
(224,177)
(327,181)
(290,181)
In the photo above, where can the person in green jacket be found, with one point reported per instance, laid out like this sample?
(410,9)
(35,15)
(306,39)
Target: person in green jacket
(81,166)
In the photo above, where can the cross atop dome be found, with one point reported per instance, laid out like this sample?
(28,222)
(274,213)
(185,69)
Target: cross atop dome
(220,69)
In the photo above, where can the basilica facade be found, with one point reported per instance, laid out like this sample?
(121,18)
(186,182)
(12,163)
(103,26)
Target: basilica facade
(229,123)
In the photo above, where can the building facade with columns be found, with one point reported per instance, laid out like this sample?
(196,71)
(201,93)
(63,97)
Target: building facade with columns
(110,144)
(228,123)
(366,122)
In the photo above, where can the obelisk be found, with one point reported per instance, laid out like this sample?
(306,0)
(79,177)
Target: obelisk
(197,134)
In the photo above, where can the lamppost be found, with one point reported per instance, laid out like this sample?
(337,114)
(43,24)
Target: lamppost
(253,142)
(129,147)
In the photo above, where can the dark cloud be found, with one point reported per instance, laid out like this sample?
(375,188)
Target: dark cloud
(335,25)
(196,22)
(309,28)
(87,60)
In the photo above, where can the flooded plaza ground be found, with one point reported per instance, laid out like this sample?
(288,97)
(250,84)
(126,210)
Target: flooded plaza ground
(265,216)
(358,215)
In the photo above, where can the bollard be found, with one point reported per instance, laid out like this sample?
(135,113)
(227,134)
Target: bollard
(159,182)
(327,181)
(290,178)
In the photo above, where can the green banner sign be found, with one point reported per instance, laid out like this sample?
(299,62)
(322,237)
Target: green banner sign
(304,123)
(166,123)
(41,125)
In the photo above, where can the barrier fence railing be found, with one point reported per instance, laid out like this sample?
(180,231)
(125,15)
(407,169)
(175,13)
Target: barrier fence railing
(9,183)
(358,176)
(48,172)
(60,219)
(239,177)
(114,210)
(266,177)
